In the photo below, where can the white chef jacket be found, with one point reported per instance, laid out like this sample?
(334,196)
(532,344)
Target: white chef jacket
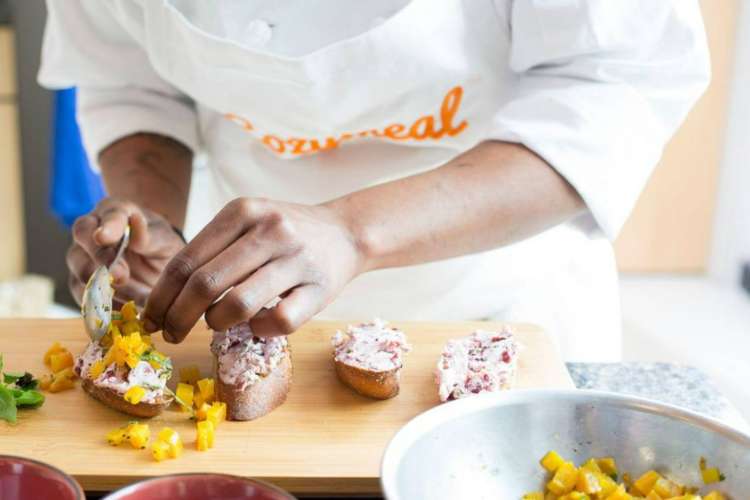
(306,101)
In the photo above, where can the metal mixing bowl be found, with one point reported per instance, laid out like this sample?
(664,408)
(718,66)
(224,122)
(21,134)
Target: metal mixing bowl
(489,446)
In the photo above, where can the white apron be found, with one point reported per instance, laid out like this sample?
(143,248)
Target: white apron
(401,98)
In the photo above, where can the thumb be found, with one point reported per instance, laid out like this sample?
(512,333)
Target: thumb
(140,238)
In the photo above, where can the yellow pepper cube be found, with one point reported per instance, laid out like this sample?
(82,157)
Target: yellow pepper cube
(160,450)
(550,496)
(62,380)
(134,395)
(198,400)
(619,494)
(117,436)
(205,438)
(132,326)
(653,496)
(129,311)
(217,413)
(202,412)
(45,381)
(535,495)
(190,374)
(646,482)
(54,349)
(206,388)
(551,461)
(588,482)
(172,438)
(60,360)
(591,465)
(607,484)
(138,435)
(96,369)
(667,489)
(564,479)
(711,475)
(714,495)
(185,395)
(608,466)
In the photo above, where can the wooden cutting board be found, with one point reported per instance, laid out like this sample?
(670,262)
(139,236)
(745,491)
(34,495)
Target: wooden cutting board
(324,439)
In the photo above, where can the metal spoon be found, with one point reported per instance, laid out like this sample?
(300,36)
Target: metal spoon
(96,304)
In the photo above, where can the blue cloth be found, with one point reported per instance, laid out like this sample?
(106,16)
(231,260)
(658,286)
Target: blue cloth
(75,187)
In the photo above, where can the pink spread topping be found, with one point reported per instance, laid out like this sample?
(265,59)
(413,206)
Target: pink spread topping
(482,362)
(243,358)
(371,346)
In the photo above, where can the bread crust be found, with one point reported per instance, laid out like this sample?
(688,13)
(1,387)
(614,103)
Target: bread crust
(257,399)
(373,384)
(114,400)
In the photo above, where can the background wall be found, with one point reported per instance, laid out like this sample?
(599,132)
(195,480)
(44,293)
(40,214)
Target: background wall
(671,227)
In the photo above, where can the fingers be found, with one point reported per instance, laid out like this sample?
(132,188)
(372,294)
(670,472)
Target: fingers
(246,299)
(227,227)
(290,313)
(114,216)
(209,282)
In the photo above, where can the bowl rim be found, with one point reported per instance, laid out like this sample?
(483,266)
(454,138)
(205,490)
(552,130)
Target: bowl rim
(124,489)
(67,477)
(411,431)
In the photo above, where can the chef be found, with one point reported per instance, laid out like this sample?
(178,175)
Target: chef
(421,160)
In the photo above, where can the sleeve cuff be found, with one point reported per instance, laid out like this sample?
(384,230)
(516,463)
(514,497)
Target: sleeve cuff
(105,116)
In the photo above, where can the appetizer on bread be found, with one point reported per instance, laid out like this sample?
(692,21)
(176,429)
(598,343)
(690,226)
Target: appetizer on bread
(253,374)
(124,370)
(482,362)
(369,358)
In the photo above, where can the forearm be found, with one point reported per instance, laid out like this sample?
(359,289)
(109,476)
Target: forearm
(152,171)
(495,194)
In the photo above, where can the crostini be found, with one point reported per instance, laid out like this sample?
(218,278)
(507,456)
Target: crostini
(124,370)
(253,374)
(481,362)
(369,357)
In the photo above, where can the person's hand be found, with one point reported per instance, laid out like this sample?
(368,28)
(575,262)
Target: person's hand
(252,252)
(96,236)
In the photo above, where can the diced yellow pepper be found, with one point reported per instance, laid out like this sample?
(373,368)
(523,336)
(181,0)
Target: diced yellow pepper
(131,326)
(138,435)
(45,381)
(608,466)
(711,475)
(564,479)
(587,482)
(205,438)
(551,461)
(591,465)
(206,388)
(172,438)
(134,395)
(667,489)
(185,394)
(129,311)
(62,380)
(160,450)
(198,400)
(54,349)
(117,436)
(714,495)
(60,360)
(217,413)
(645,483)
(202,412)
(653,495)
(619,494)
(96,369)
(190,374)
(607,484)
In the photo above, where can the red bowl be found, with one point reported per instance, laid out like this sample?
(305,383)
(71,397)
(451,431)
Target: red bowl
(199,486)
(24,479)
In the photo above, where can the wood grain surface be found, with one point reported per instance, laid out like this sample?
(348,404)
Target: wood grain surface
(325,440)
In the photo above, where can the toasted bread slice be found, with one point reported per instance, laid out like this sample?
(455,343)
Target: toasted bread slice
(259,398)
(368,358)
(114,400)
(373,384)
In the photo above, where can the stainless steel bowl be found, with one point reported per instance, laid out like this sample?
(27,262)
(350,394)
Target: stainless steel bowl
(488,446)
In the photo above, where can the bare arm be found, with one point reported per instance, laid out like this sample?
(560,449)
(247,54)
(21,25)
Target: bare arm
(492,195)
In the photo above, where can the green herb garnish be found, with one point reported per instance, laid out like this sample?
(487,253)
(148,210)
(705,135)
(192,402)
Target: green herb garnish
(17,390)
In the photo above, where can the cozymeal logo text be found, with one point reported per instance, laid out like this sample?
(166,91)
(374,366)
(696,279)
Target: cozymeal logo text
(428,127)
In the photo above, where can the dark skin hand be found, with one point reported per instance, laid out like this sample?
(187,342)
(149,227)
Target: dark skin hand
(256,250)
